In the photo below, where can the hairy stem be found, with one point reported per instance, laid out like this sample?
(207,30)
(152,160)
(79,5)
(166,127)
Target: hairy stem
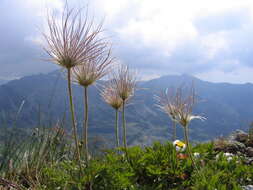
(74,128)
(174,131)
(124,131)
(85,131)
(188,148)
(85,125)
(116,127)
(124,125)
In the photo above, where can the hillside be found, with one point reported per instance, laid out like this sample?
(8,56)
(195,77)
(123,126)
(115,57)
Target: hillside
(226,106)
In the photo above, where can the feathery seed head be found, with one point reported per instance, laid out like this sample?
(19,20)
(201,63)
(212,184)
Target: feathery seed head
(125,82)
(93,69)
(110,96)
(178,106)
(166,104)
(72,40)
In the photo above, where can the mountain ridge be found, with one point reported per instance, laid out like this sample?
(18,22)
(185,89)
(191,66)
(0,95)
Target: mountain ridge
(45,101)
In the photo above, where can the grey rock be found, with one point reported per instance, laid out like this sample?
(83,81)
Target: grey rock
(237,131)
(249,151)
(239,136)
(248,161)
(232,137)
(231,146)
(242,137)
(250,142)
(248,187)
(234,147)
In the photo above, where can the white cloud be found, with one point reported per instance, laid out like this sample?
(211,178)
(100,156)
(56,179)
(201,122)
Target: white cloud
(240,75)
(201,37)
(214,43)
(166,26)
(163,22)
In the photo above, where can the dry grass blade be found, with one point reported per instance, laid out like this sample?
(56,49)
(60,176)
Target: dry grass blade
(8,184)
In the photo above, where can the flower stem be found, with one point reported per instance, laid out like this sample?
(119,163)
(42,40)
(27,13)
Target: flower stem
(116,127)
(188,148)
(124,130)
(124,125)
(85,125)
(174,131)
(74,128)
(85,131)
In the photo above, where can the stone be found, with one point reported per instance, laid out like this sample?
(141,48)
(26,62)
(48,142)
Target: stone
(249,151)
(239,136)
(248,161)
(234,147)
(230,146)
(248,187)
(231,137)
(220,144)
(242,137)
(250,142)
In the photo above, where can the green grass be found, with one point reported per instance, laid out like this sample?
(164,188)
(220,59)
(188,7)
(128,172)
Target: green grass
(44,161)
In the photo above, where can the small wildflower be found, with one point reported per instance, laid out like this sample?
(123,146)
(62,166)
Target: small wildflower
(179,145)
(184,176)
(229,156)
(182,156)
(196,154)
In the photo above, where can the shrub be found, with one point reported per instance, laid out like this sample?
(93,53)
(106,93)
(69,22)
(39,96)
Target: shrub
(222,173)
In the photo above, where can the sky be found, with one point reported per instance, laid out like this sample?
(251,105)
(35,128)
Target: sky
(210,39)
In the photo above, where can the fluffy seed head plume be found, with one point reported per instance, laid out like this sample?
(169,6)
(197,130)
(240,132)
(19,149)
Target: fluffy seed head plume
(125,82)
(167,103)
(73,39)
(179,106)
(110,96)
(94,69)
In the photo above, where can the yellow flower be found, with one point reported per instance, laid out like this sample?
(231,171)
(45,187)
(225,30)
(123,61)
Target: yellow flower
(179,145)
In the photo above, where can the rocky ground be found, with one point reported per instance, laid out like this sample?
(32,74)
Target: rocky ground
(239,144)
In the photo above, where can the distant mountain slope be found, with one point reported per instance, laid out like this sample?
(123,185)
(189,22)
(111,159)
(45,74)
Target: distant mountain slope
(2,81)
(226,106)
